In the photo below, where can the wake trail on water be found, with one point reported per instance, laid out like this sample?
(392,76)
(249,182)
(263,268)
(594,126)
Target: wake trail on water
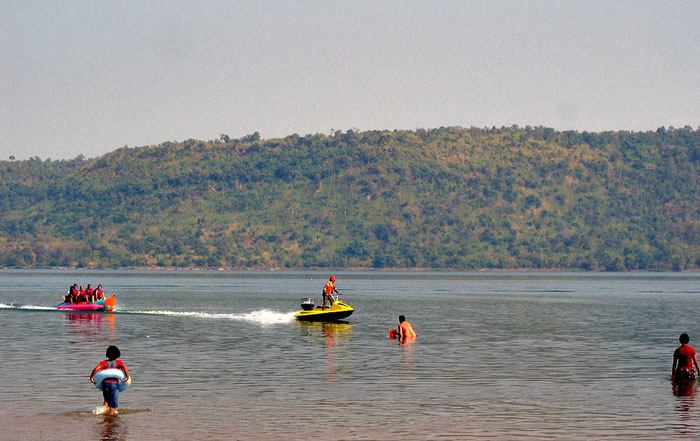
(263,316)
(27,307)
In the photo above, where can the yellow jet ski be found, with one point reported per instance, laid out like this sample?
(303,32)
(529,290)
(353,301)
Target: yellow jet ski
(311,313)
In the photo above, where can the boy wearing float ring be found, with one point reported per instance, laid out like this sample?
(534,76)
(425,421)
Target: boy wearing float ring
(110,386)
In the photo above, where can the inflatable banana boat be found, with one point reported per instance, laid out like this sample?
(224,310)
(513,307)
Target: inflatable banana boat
(102,305)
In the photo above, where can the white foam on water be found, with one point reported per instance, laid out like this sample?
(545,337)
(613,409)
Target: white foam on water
(27,307)
(263,316)
(100,410)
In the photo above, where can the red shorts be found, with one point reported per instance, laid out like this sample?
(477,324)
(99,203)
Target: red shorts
(685,374)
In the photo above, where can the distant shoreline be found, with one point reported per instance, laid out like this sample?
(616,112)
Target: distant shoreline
(477,199)
(352,269)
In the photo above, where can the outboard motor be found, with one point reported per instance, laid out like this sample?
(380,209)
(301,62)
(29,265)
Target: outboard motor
(307,303)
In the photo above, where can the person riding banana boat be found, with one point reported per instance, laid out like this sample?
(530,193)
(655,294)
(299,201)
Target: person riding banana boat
(90,300)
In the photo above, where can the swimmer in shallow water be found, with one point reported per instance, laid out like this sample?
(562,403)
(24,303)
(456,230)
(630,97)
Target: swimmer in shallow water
(405,330)
(683,359)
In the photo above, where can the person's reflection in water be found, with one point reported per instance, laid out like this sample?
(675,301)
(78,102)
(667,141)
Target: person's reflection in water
(684,388)
(92,325)
(334,333)
(685,406)
(327,330)
(407,352)
(112,429)
(112,325)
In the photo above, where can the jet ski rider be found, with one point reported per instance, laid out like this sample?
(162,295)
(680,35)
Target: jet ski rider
(328,290)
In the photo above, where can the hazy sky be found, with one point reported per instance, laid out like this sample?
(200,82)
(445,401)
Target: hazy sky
(88,77)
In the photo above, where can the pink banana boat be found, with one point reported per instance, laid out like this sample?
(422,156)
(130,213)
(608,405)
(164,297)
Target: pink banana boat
(102,305)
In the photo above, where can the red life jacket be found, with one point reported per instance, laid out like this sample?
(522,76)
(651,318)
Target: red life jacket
(329,287)
(112,364)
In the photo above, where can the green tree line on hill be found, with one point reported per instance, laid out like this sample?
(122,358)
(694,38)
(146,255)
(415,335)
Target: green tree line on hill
(499,198)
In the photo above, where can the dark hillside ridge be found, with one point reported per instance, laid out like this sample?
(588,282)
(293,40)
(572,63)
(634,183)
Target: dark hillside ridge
(509,198)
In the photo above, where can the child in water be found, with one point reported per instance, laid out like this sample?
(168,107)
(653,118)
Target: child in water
(110,386)
(684,357)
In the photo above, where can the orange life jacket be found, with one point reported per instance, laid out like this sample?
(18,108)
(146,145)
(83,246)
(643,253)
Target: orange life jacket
(329,287)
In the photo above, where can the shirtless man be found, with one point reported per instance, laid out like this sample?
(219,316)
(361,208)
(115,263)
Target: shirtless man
(406,331)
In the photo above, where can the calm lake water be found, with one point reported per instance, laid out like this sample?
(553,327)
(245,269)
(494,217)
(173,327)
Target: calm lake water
(217,355)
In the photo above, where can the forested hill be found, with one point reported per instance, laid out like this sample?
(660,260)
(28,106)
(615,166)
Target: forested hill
(512,198)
